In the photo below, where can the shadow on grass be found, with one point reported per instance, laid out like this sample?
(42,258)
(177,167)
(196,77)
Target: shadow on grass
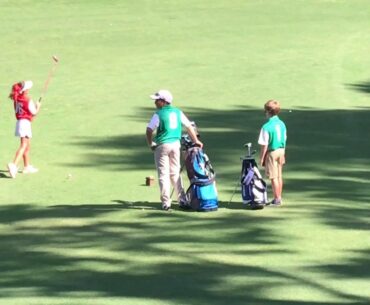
(327,157)
(158,206)
(98,251)
(317,139)
(356,267)
(362,87)
(4,174)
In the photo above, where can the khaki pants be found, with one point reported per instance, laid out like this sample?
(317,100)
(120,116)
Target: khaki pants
(167,161)
(274,163)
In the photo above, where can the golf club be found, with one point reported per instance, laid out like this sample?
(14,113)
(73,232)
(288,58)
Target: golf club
(249,152)
(51,73)
(248,156)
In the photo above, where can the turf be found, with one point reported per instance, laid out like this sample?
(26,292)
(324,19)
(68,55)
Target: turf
(86,230)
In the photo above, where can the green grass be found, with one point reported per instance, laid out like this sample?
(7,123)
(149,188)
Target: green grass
(99,236)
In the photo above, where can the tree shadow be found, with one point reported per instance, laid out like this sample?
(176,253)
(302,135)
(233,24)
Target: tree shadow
(65,251)
(362,87)
(327,157)
(327,167)
(357,266)
(146,205)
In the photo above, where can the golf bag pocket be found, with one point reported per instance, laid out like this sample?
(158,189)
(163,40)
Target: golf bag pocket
(253,187)
(203,197)
(198,166)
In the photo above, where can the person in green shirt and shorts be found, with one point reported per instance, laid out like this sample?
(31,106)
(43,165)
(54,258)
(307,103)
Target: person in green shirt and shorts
(168,121)
(272,139)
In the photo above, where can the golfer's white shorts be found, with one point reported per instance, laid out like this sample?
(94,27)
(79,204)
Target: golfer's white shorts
(23,129)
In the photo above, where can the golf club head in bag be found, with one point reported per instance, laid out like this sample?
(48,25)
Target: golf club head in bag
(186,141)
(249,153)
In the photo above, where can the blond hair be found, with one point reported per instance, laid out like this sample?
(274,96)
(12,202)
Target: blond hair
(272,107)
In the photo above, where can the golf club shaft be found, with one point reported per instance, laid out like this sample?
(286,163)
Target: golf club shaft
(51,73)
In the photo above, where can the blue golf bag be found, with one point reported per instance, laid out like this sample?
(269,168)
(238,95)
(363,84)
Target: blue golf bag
(253,187)
(202,192)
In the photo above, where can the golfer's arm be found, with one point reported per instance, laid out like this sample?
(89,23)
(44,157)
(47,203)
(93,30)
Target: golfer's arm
(263,154)
(193,136)
(149,136)
(38,107)
(34,107)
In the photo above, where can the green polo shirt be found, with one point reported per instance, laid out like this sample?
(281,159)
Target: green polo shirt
(276,130)
(170,128)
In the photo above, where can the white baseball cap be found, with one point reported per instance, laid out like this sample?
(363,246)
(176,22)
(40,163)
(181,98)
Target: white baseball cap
(27,85)
(162,95)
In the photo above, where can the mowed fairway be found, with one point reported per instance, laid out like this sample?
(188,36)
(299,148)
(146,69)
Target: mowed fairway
(85,230)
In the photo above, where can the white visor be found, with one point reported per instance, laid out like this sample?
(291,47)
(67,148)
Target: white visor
(27,85)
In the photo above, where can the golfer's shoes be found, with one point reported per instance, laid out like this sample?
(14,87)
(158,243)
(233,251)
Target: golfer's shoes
(13,169)
(276,203)
(30,170)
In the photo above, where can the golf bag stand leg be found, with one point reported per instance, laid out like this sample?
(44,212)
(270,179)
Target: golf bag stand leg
(232,195)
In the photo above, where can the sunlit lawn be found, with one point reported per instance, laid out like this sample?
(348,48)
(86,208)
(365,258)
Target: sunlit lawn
(86,230)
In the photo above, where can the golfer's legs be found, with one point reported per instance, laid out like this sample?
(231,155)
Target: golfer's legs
(161,156)
(175,167)
(22,148)
(275,187)
(274,165)
(280,171)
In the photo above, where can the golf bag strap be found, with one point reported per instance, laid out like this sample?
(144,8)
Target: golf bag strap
(202,183)
(248,177)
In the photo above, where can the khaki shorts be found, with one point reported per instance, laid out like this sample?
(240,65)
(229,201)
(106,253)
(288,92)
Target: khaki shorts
(274,163)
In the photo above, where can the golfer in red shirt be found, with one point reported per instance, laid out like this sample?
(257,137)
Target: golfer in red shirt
(25,109)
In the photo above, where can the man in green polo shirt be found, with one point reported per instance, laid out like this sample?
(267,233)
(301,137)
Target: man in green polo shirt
(168,121)
(272,139)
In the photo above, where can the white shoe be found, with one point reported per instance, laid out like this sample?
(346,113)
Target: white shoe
(13,169)
(30,170)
